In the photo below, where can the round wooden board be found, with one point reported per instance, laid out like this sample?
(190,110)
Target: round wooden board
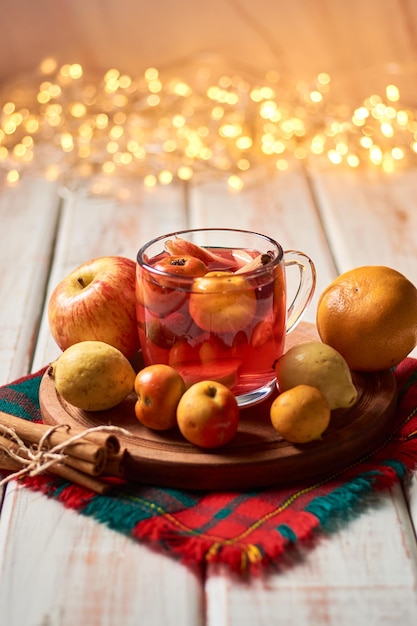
(257,456)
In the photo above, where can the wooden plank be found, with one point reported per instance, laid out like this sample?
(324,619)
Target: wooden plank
(374,222)
(351,576)
(377,547)
(410,491)
(60,567)
(28,217)
(337,581)
(86,573)
(93,227)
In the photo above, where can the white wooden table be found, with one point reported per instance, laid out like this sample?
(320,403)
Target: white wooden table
(58,568)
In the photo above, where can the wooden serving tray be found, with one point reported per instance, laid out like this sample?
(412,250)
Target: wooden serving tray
(257,456)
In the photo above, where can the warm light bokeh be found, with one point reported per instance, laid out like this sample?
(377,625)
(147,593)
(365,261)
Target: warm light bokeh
(166,128)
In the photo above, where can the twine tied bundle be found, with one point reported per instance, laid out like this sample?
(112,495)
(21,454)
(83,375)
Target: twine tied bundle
(29,449)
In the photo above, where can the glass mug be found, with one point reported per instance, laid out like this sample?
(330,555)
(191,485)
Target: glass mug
(212,303)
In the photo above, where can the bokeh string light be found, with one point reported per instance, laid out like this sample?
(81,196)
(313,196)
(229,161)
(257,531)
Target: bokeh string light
(160,128)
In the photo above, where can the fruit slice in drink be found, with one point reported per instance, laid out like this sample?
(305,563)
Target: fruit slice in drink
(226,373)
(222,302)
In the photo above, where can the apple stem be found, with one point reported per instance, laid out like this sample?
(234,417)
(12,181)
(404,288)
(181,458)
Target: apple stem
(81,282)
(211,391)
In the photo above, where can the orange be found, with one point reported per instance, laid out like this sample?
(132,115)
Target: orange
(369,315)
(300,414)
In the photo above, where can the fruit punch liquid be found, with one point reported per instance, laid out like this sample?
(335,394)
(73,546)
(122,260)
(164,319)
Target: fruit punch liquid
(221,319)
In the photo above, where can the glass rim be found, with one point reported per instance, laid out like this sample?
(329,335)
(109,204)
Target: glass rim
(276,260)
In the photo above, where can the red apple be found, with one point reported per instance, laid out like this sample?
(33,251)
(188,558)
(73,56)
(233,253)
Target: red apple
(208,414)
(96,301)
(159,389)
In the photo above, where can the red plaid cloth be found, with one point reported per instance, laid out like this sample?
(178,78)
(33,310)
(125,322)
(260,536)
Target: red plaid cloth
(247,530)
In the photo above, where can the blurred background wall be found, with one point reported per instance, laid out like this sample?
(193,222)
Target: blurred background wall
(356,41)
(341,79)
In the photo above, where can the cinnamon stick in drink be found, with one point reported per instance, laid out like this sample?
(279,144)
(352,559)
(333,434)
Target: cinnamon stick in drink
(259,261)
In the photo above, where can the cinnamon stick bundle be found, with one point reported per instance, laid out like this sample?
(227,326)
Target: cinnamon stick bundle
(59,469)
(78,456)
(93,447)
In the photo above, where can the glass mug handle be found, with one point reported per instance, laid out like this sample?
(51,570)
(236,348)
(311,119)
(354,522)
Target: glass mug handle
(306,286)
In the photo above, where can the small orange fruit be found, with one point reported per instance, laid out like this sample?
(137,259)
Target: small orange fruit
(300,414)
(369,315)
